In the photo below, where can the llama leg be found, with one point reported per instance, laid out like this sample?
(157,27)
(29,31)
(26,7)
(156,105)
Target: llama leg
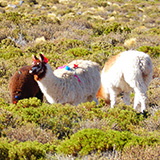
(113,98)
(140,97)
(126,98)
(136,100)
(96,100)
(143,100)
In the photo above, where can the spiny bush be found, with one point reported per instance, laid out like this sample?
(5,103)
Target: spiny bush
(94,140)
(10,52)
(30,132)
(46,47)
(66,44)
(90,111)
(152,51)
(15,17)
(138,152)
(4,150)
(7,119)
(25,150)
(60,119)
(152,123)
(124,118)
(31,102)
(78,52)
(116,27)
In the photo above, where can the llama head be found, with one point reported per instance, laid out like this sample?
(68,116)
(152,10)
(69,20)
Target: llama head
(39,68)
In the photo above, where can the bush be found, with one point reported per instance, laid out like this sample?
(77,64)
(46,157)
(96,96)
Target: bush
(24,150)
(78,52)
(11,52)
(27,150)
(117,27)
(124,118)
(94,140)
(152,51)
(4,150)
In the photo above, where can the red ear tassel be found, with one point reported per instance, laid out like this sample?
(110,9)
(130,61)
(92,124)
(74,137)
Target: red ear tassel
(33,58)
(45,59)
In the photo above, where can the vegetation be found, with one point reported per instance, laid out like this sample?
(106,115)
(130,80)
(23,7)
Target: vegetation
(65,30)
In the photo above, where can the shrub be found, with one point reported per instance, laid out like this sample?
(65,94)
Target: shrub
(11,52)
(14,17)
(94,140)
(4,150)
(24,150)
(60,119)
(124,118)
(117,27)
(30,132)
(84,142)
(152,51)
(138,152)
(7,119)
(31,102)
(78,52)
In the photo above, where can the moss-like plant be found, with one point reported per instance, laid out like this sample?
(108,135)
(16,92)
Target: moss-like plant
(10,52)
(4,150)
(124,118)
(78,52)
(24,150)
(152,51)
(94,140)
(15,17)
(117,27)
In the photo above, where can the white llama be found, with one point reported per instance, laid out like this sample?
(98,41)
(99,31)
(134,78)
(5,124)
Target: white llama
(127,71)
(77,82)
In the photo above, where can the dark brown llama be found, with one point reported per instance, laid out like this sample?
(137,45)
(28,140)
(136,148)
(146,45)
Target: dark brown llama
(22,85)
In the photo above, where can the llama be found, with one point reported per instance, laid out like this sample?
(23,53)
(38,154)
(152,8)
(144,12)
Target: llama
(22,85)
(76,83)
(127,71)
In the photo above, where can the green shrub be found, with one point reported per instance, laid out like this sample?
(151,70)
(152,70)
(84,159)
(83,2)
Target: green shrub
(7,119)
(90,110)
(24,150)
(14,17)
(11,52)
(4,150)
(152,51)
(78,52)
(116,27)
(45,47)
(84,142)
(61,119)
(64,45)
(124,118)
(31,102)
(94,140)
(27,150)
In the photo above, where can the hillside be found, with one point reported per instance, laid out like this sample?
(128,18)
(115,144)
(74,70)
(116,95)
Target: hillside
(65,30)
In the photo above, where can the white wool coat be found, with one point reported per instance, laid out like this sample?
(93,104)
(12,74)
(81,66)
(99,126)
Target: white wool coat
(127,71)
(72,86)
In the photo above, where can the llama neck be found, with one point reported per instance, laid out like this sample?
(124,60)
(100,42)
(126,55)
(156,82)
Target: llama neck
(49,85)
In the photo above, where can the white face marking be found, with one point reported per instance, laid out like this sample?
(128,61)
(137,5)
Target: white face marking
(44,90)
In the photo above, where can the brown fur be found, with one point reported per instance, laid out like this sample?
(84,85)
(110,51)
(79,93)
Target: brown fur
(23,85)
(110,62)
(101,94)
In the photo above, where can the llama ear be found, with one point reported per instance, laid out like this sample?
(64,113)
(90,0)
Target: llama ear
(34,58)
(43,58)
